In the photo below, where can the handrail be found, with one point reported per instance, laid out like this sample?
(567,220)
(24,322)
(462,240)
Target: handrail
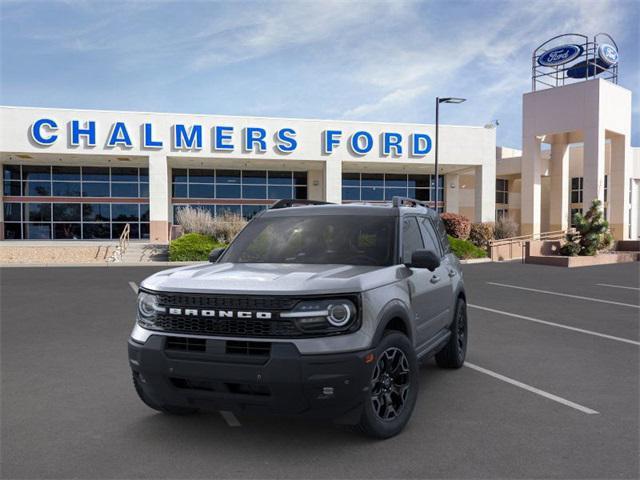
(530,237)
(123,244)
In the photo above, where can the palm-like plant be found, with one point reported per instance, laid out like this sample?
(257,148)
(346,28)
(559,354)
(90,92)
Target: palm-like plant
(591,233)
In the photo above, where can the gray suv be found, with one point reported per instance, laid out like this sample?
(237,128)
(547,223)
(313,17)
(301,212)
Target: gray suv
(316,309)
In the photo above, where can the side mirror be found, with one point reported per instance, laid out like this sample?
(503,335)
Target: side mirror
(424,259)
(215,254)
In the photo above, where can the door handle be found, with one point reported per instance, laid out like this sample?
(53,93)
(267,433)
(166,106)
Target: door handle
(452,273)
(435,279)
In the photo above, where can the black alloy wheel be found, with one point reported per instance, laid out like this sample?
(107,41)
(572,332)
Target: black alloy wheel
(390,384)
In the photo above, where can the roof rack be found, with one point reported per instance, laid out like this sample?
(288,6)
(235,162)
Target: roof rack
(290,202)
(407,202)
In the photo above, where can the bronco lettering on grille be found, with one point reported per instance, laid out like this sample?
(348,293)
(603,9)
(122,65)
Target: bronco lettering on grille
(194,312)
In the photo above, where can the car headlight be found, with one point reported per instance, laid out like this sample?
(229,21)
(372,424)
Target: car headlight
(148,308)
(324,315)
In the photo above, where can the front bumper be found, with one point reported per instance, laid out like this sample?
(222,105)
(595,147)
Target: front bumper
(281,381)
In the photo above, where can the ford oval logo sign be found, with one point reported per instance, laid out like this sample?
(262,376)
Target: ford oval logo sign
(608,54)
(560,55)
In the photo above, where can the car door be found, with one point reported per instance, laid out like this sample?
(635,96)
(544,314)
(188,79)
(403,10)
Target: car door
(441,299)
(423,288)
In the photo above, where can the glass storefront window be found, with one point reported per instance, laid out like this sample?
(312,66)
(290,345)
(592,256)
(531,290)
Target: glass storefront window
(36,172)
(95,189)
(66,189)
(96,212)
(37,189)
(124,212)
(378,187)
(95,174)
(66,212)
(12,212)
(198,190)
(66,173)
(124,190)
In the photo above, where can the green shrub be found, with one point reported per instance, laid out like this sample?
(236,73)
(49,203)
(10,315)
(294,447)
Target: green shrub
(481,234)
(457,226)
(192,247)
(464,249)
(592,233)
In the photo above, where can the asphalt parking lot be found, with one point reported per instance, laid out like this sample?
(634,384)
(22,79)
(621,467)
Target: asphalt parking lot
(551,389)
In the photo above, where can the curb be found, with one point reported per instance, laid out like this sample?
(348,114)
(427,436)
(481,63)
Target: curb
(98,265)
(475,260)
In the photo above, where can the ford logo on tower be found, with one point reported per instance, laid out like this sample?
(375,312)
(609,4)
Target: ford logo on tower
(560,55)
(608,54)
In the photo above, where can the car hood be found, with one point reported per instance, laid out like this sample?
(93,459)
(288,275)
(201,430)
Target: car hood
(269,278)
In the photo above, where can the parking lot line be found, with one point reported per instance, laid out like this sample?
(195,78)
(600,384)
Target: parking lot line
(134,287)
(617,286)
(590,299)
(531,389)
(552,324)
(230,418)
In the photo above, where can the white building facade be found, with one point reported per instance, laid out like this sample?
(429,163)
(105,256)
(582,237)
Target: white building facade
(85,174)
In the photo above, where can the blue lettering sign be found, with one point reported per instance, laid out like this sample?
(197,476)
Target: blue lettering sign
(286,140)
(391,140)
(331,140)
(119,136)
(420,144)
(186,139)
(357,146)
(147,138)
(89,131)
(221,137)
(36,131)
(255,136)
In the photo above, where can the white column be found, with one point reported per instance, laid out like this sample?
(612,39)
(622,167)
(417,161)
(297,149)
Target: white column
(593,167)
(618,188)
(452,192)
(559,204)
(315,181)
(485,192)
(531,186)
(333,180)
(159,198)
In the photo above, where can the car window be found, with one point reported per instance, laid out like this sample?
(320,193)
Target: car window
(411,238)
(316,239)
(442,233)
(429,235)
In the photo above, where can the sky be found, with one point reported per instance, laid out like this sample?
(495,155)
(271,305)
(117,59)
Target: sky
(344,60)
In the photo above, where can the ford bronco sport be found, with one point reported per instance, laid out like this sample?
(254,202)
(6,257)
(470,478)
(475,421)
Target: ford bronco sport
(319,310)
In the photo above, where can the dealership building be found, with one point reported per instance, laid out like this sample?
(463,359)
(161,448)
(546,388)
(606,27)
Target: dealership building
(85,174)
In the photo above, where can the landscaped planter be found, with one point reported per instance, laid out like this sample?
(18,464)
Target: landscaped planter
(601,259)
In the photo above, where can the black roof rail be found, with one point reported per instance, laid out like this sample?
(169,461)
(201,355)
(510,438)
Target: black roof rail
(407,202)
(290,202)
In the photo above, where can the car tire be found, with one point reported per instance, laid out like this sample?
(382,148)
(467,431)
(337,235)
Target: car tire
(169,409)
(454,352)
(393,388)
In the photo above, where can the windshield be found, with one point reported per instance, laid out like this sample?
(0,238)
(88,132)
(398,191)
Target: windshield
(339,239)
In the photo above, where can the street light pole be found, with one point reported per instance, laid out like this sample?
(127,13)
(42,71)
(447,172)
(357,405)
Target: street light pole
(438,102)
(436,149)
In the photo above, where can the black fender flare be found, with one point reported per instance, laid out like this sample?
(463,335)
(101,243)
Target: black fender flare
(392,310)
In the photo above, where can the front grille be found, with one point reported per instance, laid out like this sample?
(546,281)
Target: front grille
(226,302)
(212,386)
(186,344)
(262,349)
(235,327)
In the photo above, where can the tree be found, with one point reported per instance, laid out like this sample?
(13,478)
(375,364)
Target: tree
(591,235)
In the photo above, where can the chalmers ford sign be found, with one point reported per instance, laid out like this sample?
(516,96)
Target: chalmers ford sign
(222,138)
